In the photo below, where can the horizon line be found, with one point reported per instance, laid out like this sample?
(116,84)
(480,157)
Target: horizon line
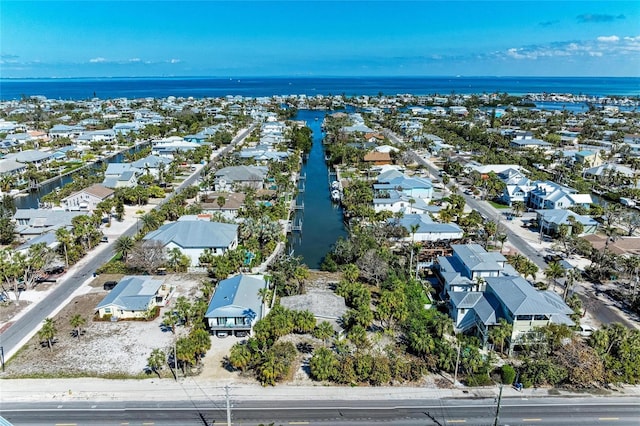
(230,77)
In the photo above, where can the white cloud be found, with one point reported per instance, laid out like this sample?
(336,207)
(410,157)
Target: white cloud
(174,61)
(135,60)
(609,39)
(97,60)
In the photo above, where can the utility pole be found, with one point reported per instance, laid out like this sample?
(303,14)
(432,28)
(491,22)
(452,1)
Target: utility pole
(175,358)
(495,423)
(455,374)
(226,393)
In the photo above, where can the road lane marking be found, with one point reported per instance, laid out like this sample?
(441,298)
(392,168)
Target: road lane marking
(298,423)
(531,420)
(604,419)
(457,421)
(66,424)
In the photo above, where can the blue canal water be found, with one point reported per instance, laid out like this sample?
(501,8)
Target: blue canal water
(322,221)
(199,87)
(32,199)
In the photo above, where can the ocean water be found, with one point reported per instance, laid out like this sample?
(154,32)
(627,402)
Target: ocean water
(109,88)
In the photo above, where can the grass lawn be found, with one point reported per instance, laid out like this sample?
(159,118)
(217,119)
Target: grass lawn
(498,205)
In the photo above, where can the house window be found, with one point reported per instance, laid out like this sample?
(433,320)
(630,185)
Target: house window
(107,310)
(222,321)
(462,311)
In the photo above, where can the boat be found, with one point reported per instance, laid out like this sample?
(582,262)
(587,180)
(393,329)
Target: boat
(336,185)
(335,195)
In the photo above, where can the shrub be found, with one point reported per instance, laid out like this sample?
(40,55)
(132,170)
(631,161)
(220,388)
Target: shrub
(507,374)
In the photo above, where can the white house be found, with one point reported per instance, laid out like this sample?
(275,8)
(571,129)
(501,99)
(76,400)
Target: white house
(87,199)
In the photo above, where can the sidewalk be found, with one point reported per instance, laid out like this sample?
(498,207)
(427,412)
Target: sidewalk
(191,388)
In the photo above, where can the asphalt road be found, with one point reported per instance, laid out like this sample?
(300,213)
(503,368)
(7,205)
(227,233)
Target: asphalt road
(513,411)
(11,337)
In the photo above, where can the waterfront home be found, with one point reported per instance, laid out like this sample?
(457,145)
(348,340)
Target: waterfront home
(550,220)
(152,164)
(105,136)
(608,172)
(65,131)
(263,154)
(427,229)
(468,267)
(170,146)
(193,237)
(121,175)
(397,202)
(31,156)
(10,167)
(33,222)
(236,177)
(377,158)
(133,297)
(588,158)
(550,195)
(87,199)
(233,202)
(236,305)
(394,180)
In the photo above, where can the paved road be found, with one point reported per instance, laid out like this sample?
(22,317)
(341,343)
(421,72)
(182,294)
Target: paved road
(513,411)
(598,308)
(12,338)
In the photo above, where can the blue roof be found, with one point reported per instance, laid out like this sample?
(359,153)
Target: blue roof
(195,234)
(133,293)
(237,297)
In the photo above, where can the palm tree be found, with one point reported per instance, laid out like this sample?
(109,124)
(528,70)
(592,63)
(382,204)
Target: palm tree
(324,331)
(77,321)
(48,332)
(501,333)
(554,271)
(124,245)
(240,356)
(502,238)
(156,361)
(414,229)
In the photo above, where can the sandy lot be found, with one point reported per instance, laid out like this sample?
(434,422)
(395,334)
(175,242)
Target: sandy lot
(105,349)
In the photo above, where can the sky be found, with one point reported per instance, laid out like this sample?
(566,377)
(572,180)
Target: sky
(319,38)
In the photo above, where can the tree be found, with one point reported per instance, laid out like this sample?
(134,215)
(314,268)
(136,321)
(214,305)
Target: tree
(324,331)
(48,332)
(77,321)
(500,333)
(553,272)
(323,364)
(170,320)
(156,361)
(147,256)
(240,356)
(124,245)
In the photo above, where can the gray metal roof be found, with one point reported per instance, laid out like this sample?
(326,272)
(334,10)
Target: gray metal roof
(237,297)
(132,293)
(242,173)
(195,234)
(521,298)
(477,258)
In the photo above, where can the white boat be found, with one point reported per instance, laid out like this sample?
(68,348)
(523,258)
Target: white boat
(335,195)
(336,185)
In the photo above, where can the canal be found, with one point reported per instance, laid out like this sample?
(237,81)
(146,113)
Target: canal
(322,221)
(31,200)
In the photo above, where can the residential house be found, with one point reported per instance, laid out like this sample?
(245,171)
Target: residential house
(468,267)
(588,158)
(236,305)
(394,180)
(10,167)
(550,221)
(396,202)
(134,297)
(550,195)
(512,298)
(193,237)
(65,131)
(529,144)
(31,156)
(426,229)
(121,175)
(235,177)
(609,172)
(170,146)
(152,164)
(377,158)
(87,199)
(233,202)
(33,222)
